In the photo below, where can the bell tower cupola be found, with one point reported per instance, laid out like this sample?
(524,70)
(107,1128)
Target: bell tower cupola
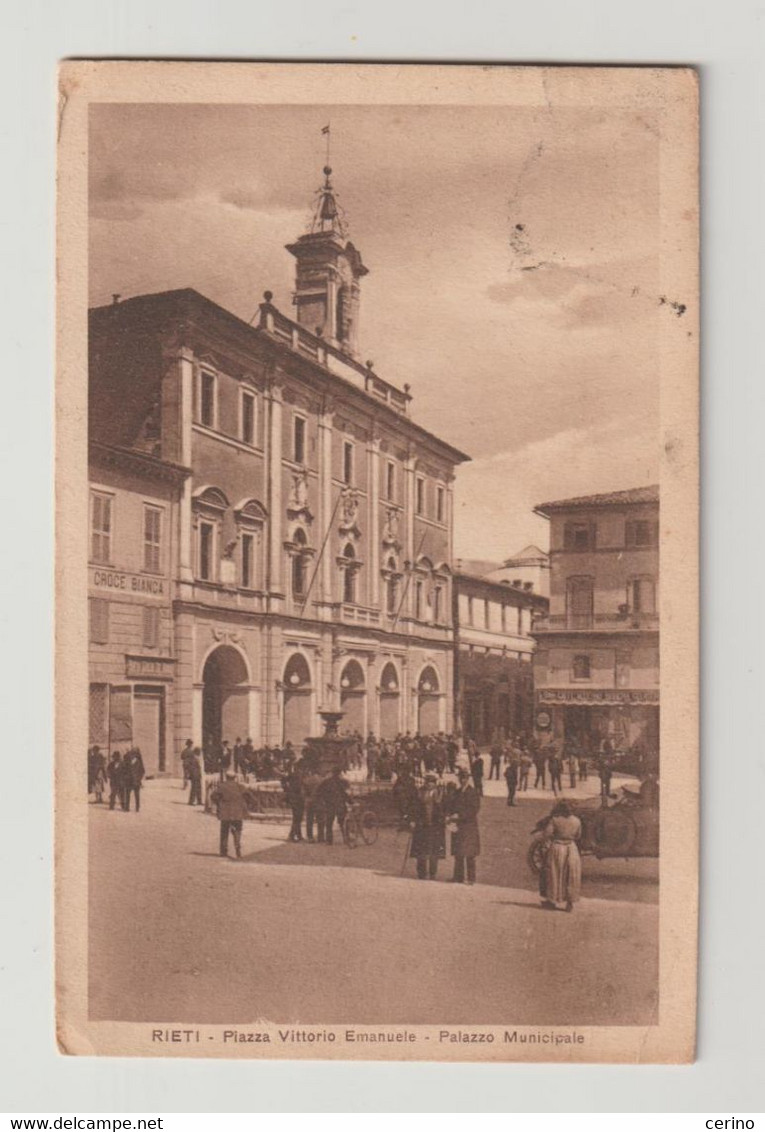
(328,274)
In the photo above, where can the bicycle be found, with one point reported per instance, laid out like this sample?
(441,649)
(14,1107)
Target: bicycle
(359,825)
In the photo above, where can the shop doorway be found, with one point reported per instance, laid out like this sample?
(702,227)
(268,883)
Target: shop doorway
(149,727)
(225,698)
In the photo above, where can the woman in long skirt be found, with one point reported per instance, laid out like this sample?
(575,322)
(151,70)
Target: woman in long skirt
(561,877)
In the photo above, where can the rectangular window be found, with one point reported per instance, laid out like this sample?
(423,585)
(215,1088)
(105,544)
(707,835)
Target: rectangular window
(640,532)
(206,537)
(100,527)
(152,539)
(579,603)
(520,621)
(298,439)
(98,608)
(347,462)
(470,611)
(390,480)
(420,496)
(582,667)
(486,615)
(248,417)
(207,400)
(579,536)
(247,561)
(643,596)
(440,509)
(150,626)
(437,593)
(504,618)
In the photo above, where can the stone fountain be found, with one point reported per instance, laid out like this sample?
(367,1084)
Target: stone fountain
(328,750)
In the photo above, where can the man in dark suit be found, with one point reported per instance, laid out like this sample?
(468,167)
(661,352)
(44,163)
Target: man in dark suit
(132,777)
(293,793)
(511,778)
(114,774)
(231,798)
(476,769)
(464,805)
(425,814)
(332,796)
(194,772)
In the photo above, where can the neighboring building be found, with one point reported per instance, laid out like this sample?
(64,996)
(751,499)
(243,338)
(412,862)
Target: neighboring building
(530,569)
(311,557)
(133,522)
(596,666)
(494,687)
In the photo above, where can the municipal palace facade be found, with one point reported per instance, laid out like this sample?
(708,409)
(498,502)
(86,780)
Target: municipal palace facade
(270,530)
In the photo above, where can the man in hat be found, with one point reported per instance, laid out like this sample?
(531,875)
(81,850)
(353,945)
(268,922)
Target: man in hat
(193,765)
(466,843)
(426,817)
(231,798)
(132,778)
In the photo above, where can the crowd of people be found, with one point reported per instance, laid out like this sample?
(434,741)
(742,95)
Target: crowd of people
(122,776)
(428,803)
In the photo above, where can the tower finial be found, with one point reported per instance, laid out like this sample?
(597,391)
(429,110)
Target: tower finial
(326,215)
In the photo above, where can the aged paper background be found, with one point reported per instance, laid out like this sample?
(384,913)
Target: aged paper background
(671,96)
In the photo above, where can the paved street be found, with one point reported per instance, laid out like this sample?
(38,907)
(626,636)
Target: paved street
(311,933)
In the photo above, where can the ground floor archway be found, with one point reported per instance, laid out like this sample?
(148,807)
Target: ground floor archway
(428,702)
(353,698)
(297,718)
(225,697)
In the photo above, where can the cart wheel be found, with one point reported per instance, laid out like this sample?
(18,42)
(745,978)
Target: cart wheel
(614,833)
(535,857)
(369,828)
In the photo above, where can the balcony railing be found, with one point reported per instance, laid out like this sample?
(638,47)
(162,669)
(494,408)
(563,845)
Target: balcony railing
(597,622)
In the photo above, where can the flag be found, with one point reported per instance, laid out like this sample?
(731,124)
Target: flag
(325,129)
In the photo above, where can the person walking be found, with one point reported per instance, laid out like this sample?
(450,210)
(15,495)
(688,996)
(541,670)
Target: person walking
(293,792)
(188,749)
(555,766)
(511,778)
(476,770)
(133,774)
(464,805)
(582,765)
(115,777)
(525,769)
(426,817)
(605,770)
(231,798)
(194,771)
(496,759)
(539,763)
(313,816)
(561,876)
(571,764)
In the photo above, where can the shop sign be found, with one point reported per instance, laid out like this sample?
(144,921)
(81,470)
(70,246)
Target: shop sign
(122,582)
(595,696)
(543,720)
(149,667)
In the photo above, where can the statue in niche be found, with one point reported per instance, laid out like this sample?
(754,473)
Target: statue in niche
(390,530)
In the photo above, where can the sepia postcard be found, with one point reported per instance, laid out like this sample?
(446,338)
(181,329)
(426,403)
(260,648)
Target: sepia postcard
(377,571)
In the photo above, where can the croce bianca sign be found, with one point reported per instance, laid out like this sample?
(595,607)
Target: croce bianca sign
(597,696)
(122,582)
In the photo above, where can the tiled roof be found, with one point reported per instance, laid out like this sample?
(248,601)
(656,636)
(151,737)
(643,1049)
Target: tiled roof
(648,494)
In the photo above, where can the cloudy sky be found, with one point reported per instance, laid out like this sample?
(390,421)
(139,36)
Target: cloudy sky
(513,256)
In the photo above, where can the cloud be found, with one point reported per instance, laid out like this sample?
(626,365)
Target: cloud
(495,497)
